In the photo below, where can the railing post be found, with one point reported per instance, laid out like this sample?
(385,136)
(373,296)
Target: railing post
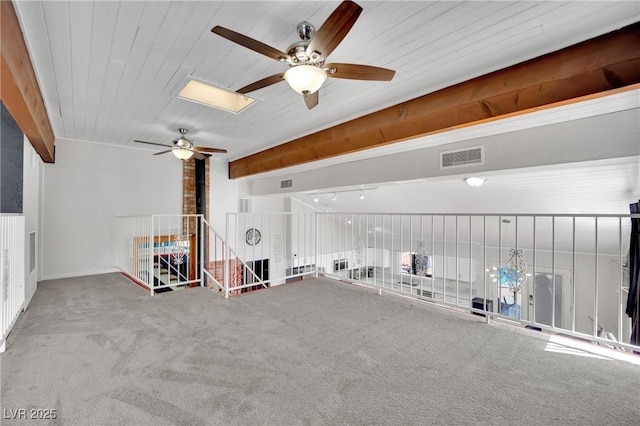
(225,256)
(203,242)
(150,276)
(316,236)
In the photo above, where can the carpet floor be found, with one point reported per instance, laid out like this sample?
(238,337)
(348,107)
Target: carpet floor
(100,351)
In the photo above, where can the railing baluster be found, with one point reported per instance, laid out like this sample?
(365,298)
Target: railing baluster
(553,271)
(444,259)
(433,257)
(595,296)
(573,278)
(457,263)
(535,253)
(620,281)
(470,260)
(484,244)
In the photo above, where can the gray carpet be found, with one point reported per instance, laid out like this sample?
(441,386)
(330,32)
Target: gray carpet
(100,350)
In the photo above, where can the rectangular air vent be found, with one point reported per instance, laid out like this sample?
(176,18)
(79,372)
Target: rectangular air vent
(462,157)
(286,183)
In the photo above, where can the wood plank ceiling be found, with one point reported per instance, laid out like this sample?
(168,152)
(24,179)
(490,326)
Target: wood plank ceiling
(591,68)
(110,71)
(19,89)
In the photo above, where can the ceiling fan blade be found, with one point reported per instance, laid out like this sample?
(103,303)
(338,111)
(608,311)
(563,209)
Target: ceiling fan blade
(267,81)
(198,156)
(152,143)
(163,152)
(334,29)
(252,44)
(359,72)
(311,100)
(206,149)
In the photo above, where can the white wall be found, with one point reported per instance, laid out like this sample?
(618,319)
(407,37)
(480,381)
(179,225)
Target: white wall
(87,186)
(560,143)
(32,172)
(223,194)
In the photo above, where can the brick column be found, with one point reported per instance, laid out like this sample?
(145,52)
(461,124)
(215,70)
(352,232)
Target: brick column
(207,169)
(189,199)
(189,186)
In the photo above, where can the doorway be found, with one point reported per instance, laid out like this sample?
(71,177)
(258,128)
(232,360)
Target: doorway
(544,297)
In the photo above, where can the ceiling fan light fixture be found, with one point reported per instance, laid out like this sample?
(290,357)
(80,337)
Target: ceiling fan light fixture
(216,97)
(305,78)
(182,153)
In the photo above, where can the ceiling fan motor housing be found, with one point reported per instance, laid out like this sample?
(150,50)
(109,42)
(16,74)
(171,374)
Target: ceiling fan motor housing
(183,143)
(306,31)
(298,51)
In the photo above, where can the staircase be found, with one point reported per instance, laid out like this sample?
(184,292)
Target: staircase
(225,267)
(164,273)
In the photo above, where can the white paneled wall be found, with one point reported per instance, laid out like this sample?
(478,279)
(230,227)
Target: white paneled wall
(11,272)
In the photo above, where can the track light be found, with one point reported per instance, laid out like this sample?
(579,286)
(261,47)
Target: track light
(334,194)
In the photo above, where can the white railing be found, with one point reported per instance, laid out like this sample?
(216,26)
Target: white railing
(131,238)
(564,273)
(274,248)
(159,252)
(215,254)
(226,270)
(12,272)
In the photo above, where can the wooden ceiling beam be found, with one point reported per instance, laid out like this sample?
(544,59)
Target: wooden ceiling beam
(19,89)
(592,68)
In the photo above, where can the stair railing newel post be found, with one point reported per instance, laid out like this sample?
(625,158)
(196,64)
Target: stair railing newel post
(315,236)
(151,248)
(225,256)
(203,240)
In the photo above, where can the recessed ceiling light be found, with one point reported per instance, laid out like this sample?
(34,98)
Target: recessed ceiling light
(216,97)
(475,181)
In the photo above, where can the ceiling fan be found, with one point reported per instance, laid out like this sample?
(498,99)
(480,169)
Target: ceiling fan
(306,57)
(183,148)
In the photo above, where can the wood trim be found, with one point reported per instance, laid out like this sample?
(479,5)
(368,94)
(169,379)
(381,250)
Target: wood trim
(591,68)
(19,89)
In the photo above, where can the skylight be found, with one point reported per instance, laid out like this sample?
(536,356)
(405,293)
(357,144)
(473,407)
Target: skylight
(216,97)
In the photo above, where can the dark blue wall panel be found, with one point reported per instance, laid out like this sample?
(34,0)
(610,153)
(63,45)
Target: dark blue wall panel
(11,159)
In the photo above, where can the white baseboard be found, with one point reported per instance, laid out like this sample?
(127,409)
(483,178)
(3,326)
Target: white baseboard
(78,274)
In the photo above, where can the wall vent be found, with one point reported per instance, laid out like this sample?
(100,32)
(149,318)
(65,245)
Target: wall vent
(244,205)
(462,157)
(286,183)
